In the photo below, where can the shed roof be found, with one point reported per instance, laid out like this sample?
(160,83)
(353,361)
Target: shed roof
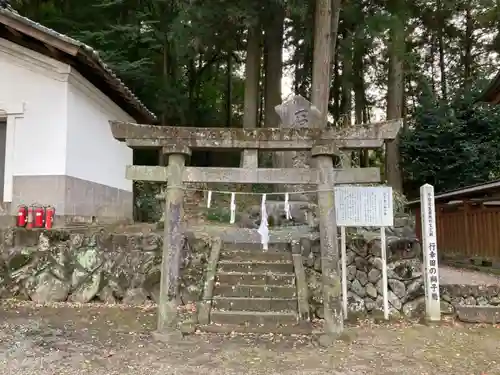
(83,58)
(471,191)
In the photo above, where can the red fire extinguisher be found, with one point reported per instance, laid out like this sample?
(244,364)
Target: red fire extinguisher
(29,220)
(22,216)
(50,212)
(39,217)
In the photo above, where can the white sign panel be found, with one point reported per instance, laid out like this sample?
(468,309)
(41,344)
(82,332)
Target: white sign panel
(364,206)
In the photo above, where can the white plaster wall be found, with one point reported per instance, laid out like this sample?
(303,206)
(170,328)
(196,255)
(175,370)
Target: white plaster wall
(92,153)
(33,97)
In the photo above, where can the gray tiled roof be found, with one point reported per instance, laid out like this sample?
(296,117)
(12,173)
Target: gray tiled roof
(114,81)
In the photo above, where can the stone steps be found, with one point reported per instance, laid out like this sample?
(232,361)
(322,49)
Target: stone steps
(255,267)
(255,304)
(255,256)
(250,278)
(255,290)
(295,329)
(264,318)
(256,247)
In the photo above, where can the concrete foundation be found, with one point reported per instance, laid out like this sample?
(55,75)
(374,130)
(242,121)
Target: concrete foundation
(75,200)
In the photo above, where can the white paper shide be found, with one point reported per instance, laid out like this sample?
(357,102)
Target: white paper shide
(263,228)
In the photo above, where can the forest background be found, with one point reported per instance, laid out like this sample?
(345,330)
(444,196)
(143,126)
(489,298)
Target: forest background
(423,60)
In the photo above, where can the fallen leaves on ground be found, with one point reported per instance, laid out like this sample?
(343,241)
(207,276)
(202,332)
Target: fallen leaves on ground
(103,339)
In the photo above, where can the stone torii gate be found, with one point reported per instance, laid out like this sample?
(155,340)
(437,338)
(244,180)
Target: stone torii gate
(178,142)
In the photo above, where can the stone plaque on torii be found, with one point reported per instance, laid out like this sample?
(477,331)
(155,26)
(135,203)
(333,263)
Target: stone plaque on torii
(298,112)
(295,113)
(178,142)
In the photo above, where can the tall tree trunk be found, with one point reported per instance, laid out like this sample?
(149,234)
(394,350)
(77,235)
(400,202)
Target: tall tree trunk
(321,58)
(262,79)
(165,77)
(358,79)
(252,78)
(336,5)
(359,88)
(347,78)
(366,114)
(410,99)
(305,55)
(300,55)
(252,81)
(395,89)
(468,44)
(297,68)
(229,91)
(273,47)
(347,55)
(432,59)
(335,90)
(320,90)
(442,65)
(192,78)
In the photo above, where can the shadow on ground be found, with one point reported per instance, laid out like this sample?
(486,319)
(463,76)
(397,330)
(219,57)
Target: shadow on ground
(100,339)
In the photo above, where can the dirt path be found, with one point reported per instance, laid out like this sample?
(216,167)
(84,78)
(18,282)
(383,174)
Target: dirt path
(450,275)
(111,340)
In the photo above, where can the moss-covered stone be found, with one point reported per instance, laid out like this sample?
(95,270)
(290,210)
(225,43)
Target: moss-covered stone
(88,265)
(19,260)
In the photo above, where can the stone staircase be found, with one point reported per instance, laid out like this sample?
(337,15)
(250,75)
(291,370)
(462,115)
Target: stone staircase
(255,291)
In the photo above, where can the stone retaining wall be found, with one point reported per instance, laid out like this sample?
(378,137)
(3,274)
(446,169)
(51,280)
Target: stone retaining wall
(55,266)
(455,295)
(364,272)
(405,279)
(471,295)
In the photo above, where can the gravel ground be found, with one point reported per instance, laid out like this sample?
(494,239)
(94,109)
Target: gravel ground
(98,339)
(450,275)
